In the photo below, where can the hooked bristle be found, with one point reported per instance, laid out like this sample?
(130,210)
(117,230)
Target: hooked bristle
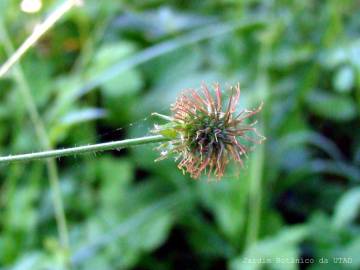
(209,134)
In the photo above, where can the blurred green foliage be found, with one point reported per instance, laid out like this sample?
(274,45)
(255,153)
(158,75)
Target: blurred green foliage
(100,72)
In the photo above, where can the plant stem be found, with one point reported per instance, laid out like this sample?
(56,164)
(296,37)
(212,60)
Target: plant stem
(255,196)
(258,158)
(38,32)
(40,130)
(84,149)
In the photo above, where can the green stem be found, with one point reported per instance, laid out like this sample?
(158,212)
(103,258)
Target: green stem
(257,162)
(255,196)
(40,130)
(84,149)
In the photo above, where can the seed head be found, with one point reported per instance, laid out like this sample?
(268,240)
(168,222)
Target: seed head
(207,133)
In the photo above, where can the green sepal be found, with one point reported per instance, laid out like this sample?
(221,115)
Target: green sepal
(167,130)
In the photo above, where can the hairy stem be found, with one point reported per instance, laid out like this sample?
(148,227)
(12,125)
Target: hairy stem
(84,149)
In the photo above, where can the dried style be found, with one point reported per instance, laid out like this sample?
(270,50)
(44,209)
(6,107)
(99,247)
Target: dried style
(207,132)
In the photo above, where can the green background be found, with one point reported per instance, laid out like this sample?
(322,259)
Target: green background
(100,72)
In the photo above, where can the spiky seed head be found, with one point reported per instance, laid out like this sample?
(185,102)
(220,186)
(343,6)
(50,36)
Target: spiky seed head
(207,132)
